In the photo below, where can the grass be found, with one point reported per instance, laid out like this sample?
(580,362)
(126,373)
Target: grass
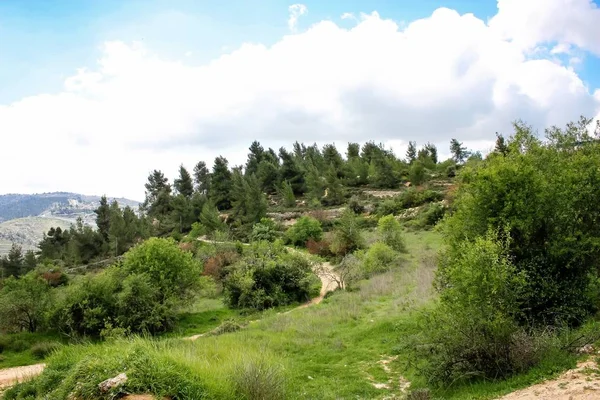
(25,348)
(338,349)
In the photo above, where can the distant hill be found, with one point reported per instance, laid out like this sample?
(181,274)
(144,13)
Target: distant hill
(24,218)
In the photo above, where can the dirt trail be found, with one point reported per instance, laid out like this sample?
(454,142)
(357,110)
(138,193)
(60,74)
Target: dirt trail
(10,376)
(581,383)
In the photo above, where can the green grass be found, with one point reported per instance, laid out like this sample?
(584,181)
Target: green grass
(16,349)
(334,350)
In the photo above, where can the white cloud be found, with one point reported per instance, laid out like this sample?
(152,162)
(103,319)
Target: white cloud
(348,15)
(442,77)
(296,11)
(530,22)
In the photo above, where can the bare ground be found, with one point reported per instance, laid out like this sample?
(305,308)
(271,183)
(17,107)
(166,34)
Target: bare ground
(10,376)
(581,383)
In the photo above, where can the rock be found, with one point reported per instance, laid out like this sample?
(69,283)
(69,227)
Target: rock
(587,349)
(112,383)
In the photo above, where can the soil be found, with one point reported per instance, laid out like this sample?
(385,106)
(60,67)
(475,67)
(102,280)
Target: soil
(10,376)
(581,383)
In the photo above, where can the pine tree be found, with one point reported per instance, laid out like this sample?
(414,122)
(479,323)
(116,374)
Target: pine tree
(202,178)
(411,152)
(13,263)
(501,146)
(220,183)
(184,184)
(334,194)
(103,218)
(432,151)
(29,261)
(158,195)
(268,176)
(287,194)
(291,172)
(315,185)
(209,217)
(254,158)
(353,151)
(459,153)
(117,230)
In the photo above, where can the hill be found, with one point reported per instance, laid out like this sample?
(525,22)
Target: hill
(24,218)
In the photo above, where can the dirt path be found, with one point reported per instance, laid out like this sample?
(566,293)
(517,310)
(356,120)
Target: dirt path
(10,376)
(581,383)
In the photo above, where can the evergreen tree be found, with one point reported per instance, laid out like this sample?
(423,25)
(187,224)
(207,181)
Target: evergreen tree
(158,195)
(29,261)
(459,153)
(103,218)
(332,157)
(315,185)
(334,194)
(209,217)
(247,199)
(13,264)
(220,184)
(291,172)
(353,151)
(184,184)
(202,178)
(287,194)
(117,230)
(254,158)
(411,152)
(501,146)
(268,176)
(432,152)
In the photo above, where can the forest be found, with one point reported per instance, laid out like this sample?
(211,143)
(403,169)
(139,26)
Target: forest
(308,273)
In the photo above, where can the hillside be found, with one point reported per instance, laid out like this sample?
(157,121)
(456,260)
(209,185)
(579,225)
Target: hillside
(24,218)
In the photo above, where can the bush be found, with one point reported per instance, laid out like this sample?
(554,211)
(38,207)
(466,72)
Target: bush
(268,276)
(265,230)
(391,232)
(43,349)
(320,248)
(304,229)
(24,303)
(258,379)
(347,235)
(379,258)
(214,266)
(474,331)
(408,199)
(141,295)
(226,326)
(355,205)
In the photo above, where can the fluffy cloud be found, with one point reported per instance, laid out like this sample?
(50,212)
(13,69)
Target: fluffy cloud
(531,22)
(441,77)
(296,11)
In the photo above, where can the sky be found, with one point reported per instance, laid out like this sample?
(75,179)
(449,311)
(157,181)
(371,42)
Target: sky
(95,94)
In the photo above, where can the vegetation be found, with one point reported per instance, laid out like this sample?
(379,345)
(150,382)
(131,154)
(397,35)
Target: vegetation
(467,277)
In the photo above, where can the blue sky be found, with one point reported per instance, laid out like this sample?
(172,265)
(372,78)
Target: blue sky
(42,41)
(157,83)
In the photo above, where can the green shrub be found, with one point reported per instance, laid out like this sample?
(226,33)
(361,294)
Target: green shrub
(355,205)
(391,232)
(410,198)
(474,331)
(268,276)
(24,303)
(18,345)
(258,379)
(379,258)
(347,234)
(304,229)
(265,230)
(226,326)
(43,349)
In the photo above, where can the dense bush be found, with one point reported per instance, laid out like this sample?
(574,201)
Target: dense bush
(546,196)
(474,332)
(43,349)
(347,234)
(23,303)
(390,232)
(267,276)
(141,295)
(265,230)
(378,258)
(408,199)
(304,229)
